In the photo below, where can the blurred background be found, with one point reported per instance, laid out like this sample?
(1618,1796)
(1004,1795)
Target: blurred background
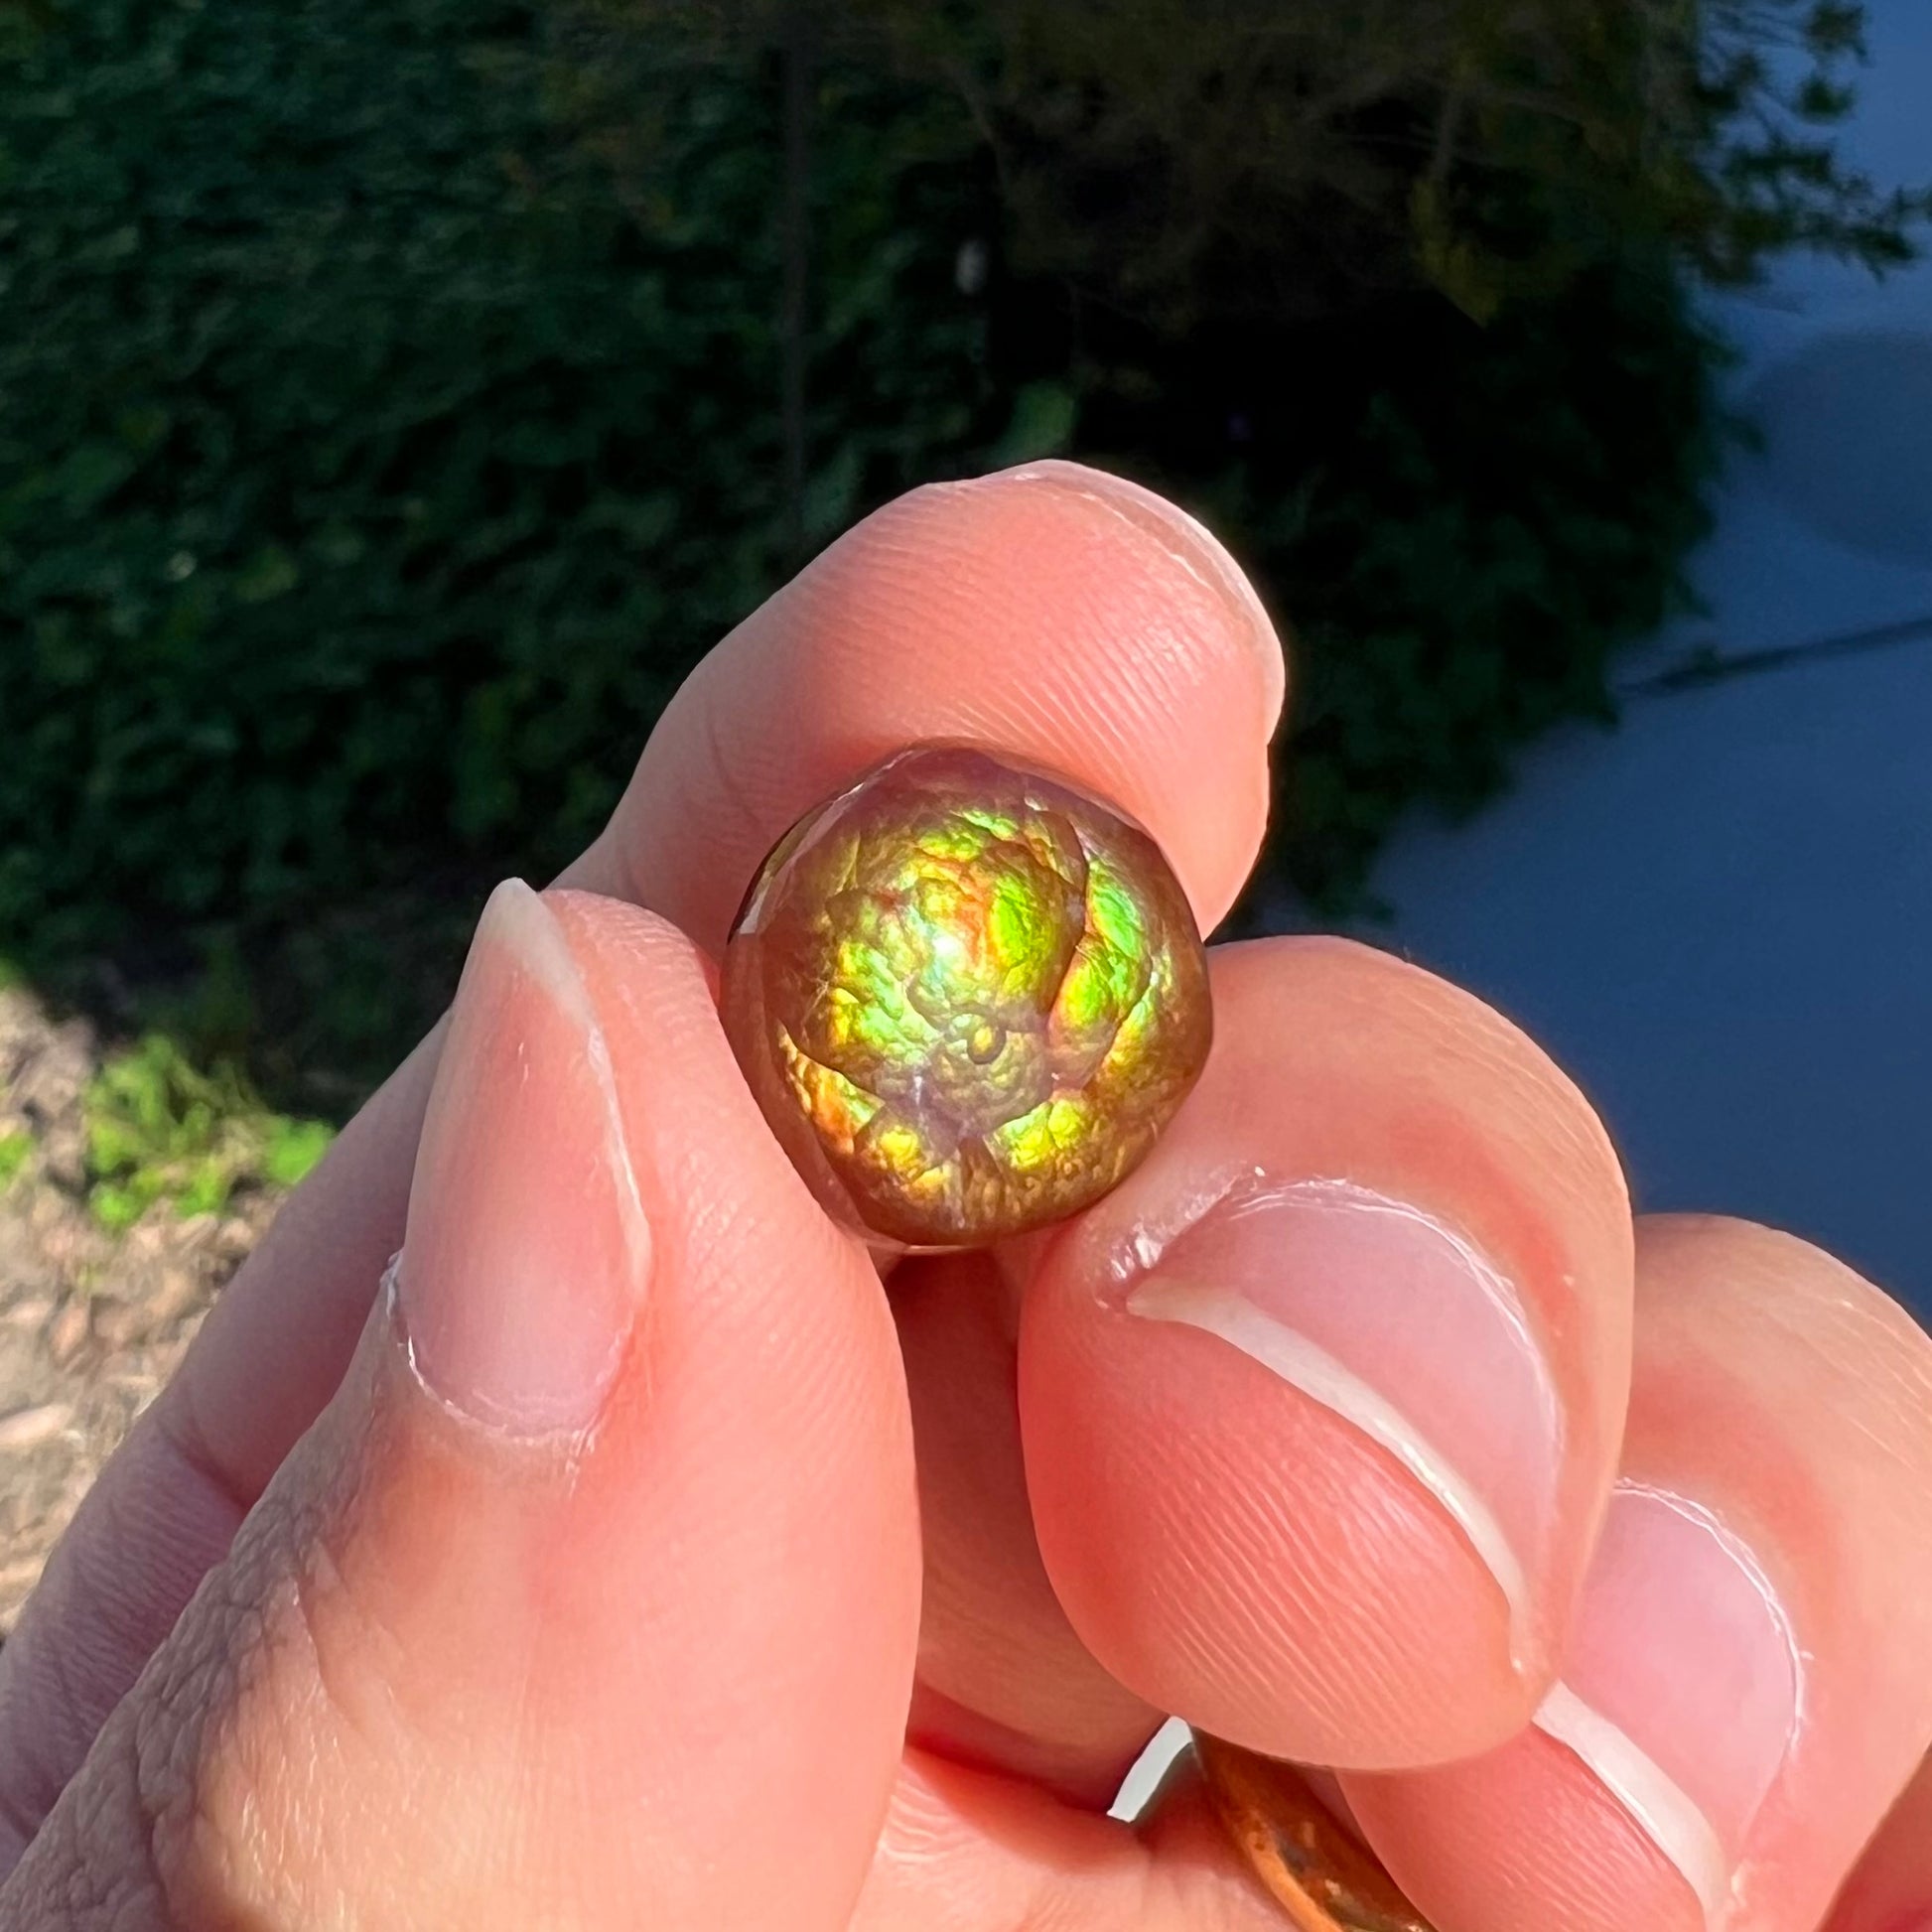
(396,399)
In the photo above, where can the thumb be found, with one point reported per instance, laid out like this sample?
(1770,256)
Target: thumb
(602,1557)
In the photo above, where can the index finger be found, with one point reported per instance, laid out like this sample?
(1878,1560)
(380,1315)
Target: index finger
(1051,614)
(1054,614)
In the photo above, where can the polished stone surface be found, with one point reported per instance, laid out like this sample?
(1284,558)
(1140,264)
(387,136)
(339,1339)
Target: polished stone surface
(967,998)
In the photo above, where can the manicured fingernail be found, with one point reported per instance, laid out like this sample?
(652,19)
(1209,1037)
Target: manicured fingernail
(1681,1685)
(1391,1319)
(1191,543)
(527,1251)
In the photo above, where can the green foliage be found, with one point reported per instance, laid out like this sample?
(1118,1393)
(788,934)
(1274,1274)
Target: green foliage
(15,1147)
(369,471)
(374,460)
(159,1129)
(297,571)
(390,405)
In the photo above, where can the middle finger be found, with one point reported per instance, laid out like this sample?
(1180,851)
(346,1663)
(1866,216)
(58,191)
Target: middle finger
(1320,1409)
(1053,615)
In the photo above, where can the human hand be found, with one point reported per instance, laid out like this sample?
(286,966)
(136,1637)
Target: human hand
(644,1562)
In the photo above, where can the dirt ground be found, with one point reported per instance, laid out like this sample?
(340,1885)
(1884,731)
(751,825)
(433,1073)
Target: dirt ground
(92,1324)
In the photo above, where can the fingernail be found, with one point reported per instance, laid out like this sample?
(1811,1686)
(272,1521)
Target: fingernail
(1188,540)
(1395,1322)
(527,1251)
(1681,1685)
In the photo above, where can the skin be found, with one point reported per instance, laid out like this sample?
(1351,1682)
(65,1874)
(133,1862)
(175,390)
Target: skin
(849,1605)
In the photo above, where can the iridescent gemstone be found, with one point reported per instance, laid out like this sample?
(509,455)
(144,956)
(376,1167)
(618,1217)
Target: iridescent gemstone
(967,998)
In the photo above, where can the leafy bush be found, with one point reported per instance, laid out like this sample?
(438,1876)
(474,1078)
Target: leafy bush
(343,422)
(390,399)
(370,471)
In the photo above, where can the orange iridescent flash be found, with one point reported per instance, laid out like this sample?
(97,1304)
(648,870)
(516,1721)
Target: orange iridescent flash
(967,998)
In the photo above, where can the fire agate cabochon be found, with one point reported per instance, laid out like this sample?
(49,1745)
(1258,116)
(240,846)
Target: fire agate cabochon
(967,998)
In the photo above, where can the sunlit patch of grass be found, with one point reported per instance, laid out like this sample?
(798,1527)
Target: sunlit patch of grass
(162,1130)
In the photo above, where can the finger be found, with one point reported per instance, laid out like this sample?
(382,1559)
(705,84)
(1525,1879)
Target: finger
(1745,1691)
(609,1532)
(1054,614)
(1004,1681)
(1051,615)
(963,1851)
(1320,1409)
(1891,1889)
